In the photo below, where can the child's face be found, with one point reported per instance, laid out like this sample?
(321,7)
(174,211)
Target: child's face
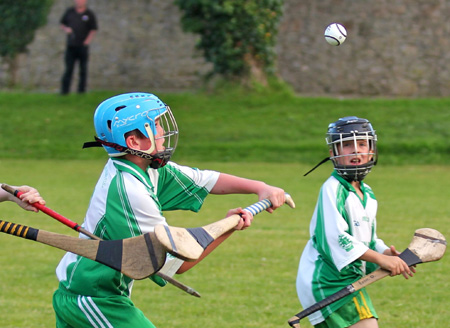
(159,139)
(353,152)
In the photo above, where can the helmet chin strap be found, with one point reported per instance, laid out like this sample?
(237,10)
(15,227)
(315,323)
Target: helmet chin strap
(315,167)
(360,171)
(157,160)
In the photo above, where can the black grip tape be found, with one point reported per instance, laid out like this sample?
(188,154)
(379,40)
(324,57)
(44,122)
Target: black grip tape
(151,252)
(409,257)
(110,253)
(201,236)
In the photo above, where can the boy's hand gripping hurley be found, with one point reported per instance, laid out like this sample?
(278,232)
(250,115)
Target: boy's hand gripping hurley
(427,245)
(189,244)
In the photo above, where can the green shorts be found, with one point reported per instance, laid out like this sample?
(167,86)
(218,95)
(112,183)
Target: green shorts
(79,311)
(358,308)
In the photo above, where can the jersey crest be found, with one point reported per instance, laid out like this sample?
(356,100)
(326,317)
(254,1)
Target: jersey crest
(345,243)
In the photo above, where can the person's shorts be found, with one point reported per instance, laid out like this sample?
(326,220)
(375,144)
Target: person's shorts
(360,307)
(79,311)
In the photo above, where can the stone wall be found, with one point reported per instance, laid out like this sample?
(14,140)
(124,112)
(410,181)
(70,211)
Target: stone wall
(394,48)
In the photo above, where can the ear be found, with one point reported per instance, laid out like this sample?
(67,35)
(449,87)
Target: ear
(132,141)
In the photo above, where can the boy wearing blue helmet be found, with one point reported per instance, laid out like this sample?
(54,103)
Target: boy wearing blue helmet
(344,245)
(137,184)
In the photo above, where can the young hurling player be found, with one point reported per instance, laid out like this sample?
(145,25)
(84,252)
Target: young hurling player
(138,183)
(344,245)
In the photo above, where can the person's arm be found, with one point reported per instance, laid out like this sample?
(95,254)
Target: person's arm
(30,195)
(93,27)
(89,38)
(390,261)
(66,29)
(63,23)
(230,184)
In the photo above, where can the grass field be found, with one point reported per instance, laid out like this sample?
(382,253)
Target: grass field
(250,280)
(234,126)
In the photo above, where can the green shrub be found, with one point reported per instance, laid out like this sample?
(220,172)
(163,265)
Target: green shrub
(236,36)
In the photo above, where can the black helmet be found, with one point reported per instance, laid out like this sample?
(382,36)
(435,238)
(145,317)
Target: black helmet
(352,128)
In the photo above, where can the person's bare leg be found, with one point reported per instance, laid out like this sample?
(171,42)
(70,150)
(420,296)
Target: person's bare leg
(366,323)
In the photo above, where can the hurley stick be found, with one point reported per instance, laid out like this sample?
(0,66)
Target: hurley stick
(75,226)
(190,243)
(427,245)
(51,213)
(179,266)
(137,257)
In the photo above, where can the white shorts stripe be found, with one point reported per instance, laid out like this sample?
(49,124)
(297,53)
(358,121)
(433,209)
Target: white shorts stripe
(80,305)
(99,312)
(93,313)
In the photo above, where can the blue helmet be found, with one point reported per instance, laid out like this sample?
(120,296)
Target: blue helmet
(120,114)
(352,128)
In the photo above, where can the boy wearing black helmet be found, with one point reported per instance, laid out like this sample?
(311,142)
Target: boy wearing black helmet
(344,245)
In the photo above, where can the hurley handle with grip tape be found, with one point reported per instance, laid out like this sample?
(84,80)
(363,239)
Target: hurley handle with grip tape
(219,228)
(86,248)
(197,240)
(350,289)
(75,226)
(18,230)
(259,206)
(265,204)
(192,242)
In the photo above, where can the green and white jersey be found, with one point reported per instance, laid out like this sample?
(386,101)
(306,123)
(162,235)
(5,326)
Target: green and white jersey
(342,229)
(128,202)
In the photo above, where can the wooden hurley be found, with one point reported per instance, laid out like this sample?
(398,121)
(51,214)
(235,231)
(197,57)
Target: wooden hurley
(427,245)
(189,244)
(137,257)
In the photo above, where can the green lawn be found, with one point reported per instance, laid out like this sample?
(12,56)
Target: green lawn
(256,127)
(250,280)
(272,136)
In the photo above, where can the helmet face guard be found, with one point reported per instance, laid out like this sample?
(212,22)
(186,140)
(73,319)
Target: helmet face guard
(144,112)
(352,129)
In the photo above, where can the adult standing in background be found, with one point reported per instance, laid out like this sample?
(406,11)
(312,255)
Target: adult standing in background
(80,25)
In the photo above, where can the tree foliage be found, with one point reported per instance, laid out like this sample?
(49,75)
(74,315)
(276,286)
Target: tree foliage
(236,36)
(19,21)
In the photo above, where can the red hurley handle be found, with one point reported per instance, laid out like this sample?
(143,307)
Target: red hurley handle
(75,226)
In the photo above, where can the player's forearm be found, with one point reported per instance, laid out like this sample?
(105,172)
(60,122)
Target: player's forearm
(372,256)
(4,196)
(66,28)
(89,38)
(230,184)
